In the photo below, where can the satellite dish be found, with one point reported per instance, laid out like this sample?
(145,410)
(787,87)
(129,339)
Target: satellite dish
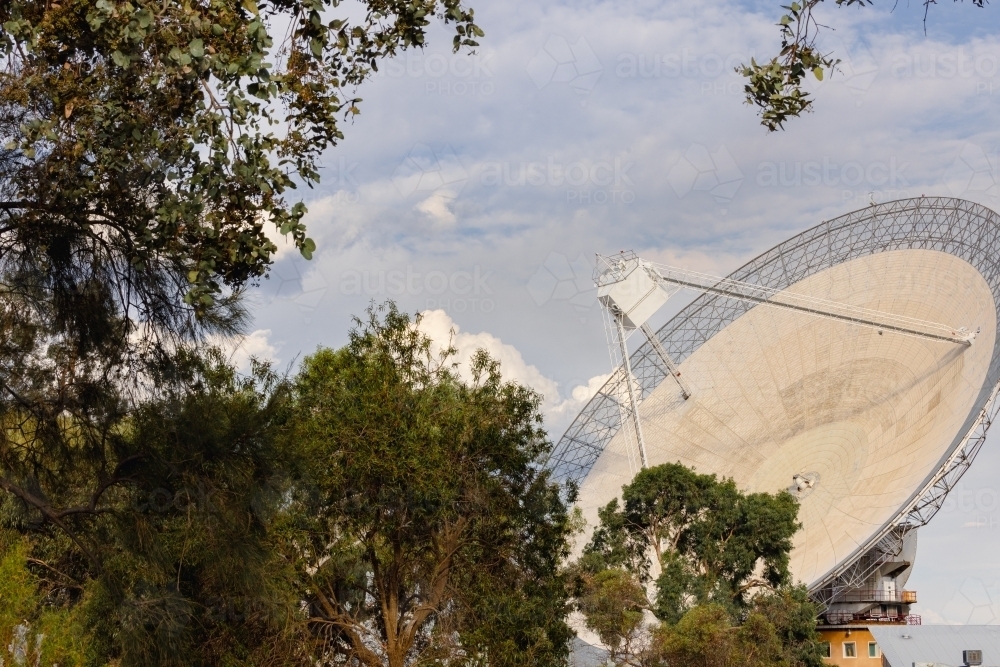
(868,410)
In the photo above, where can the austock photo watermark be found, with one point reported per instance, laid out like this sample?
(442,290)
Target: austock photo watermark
(711,170)
(980,69)
(974,600)
(979,506)
(716,73)
(582,181)
(719,73)
(562,62)
(975,173)
(456,291)
(561,280)
(439,171)
(701,169)
(857,182)
(200,498)
(446,75)
(341,175)
(429,169)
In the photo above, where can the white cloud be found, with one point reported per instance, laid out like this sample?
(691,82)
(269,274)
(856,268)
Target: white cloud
(282,241)
(558,412)
(931,617)
(436,206)
(331,220)
(254,345)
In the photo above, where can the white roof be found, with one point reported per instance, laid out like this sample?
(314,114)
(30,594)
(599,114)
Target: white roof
(906,645)
(582,654)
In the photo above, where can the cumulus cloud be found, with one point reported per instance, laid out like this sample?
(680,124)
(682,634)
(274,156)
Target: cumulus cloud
(558,411)
(561,415)
(436,206)
(254,345)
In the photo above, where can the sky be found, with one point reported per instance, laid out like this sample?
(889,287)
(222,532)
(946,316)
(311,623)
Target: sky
(478,187)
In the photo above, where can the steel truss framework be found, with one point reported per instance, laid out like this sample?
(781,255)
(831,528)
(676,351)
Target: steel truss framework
(961,228)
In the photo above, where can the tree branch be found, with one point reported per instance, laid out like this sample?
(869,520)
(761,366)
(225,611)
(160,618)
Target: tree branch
(52,515)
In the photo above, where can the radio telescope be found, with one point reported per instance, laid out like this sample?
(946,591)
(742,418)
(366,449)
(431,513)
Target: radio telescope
(855,365)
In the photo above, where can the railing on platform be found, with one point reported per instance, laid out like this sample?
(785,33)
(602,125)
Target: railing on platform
(877,595)
(872,616)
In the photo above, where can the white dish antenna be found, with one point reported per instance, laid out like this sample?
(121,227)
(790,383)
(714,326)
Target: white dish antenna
(632,289)
(856,365)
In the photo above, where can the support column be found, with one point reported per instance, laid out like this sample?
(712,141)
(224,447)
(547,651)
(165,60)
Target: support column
(632,398)
(672,369)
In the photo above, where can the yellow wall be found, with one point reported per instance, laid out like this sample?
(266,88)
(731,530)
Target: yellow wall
(860,637)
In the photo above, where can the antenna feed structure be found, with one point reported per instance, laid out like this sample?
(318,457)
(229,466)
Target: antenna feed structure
(631,291)
(630,288)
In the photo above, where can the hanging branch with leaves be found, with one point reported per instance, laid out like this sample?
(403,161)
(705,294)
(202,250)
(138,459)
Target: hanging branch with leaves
(775,87)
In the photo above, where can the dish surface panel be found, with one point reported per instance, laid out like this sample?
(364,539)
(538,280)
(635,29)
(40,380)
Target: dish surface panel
(868,416)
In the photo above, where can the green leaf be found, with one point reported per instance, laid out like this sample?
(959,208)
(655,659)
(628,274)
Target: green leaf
(120,58)
(308,248)
(818,73)
(251,7)
(197,48)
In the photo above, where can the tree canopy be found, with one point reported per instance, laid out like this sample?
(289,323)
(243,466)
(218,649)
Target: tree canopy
(423,528)
(160,137)
(374,509)
(688,570)
(710,541)
(146,145)
(156,569)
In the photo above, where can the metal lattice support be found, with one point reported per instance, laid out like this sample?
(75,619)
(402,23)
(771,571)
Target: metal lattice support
(961,228)
(628,401)
(856,574)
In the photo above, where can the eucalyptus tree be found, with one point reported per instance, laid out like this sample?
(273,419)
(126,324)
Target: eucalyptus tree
(688,570)
(146,146)
(422,527)
(709,541)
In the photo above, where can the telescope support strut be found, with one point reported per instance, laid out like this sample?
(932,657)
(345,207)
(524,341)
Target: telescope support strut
(630,385)
(672,369)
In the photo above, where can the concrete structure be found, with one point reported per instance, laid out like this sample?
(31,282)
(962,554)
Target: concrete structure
(869,429)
